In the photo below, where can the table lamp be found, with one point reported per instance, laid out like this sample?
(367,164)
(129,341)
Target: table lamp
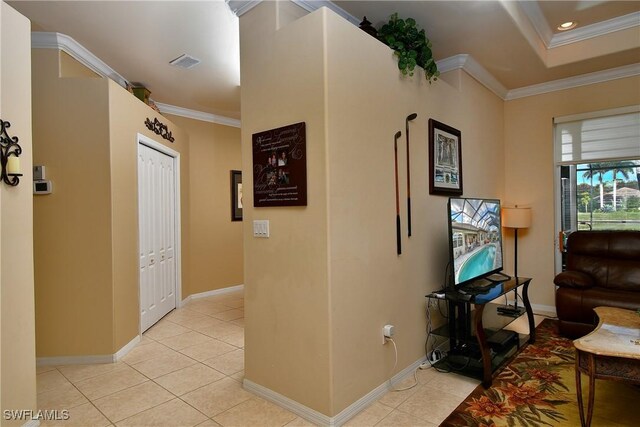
(515,218)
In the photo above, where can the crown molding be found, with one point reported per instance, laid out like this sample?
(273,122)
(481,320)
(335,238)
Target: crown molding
(576,81)
(475,70)
(313,5)
(44,40)
(452,63)
(472,67)
(478,72)
(595,30)
(533,12)
(197,115)
(240,7)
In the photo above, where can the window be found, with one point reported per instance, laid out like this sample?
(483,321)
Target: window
(597,156)
(601,196)
(457,240)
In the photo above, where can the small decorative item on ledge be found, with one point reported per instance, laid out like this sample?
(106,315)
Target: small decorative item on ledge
(9,155)
(366,26)
(142,93)
(159,128)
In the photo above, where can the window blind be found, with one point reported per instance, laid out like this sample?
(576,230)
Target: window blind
(598,139)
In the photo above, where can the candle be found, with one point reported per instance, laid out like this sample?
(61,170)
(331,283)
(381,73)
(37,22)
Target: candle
(13,165)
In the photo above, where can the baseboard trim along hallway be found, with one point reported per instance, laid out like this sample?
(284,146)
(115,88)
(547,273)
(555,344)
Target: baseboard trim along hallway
(214,292)
(90,359)
(346,414)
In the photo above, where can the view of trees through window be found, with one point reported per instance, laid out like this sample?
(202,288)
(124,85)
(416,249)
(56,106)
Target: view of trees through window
(607,196)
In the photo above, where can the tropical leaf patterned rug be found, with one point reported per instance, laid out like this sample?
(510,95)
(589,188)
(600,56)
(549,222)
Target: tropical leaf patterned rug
(537,388)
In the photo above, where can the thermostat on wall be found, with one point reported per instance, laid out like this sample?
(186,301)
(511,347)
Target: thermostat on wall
(42,187)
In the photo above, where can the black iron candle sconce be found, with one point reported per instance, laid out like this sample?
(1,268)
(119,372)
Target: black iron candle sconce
(9,155)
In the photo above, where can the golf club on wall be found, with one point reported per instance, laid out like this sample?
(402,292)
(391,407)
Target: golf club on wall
(409,118)
(398,233)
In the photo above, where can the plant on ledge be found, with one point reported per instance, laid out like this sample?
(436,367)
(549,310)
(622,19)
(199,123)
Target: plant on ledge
(412,47)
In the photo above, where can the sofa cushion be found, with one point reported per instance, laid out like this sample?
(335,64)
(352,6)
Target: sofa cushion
(612,258)
(574,279)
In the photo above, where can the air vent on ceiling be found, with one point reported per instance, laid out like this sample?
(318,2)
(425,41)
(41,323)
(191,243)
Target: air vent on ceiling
(185,61)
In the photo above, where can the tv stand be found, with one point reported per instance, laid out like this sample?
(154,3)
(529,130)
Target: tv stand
(514,312)
(479,344)
(498,277)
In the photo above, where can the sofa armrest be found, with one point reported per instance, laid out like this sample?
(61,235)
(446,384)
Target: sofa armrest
(574,279)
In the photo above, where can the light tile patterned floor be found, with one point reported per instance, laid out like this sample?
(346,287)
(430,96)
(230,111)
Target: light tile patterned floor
(188,370)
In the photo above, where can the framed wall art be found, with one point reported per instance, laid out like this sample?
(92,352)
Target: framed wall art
(236,195)
(280,166)
(445,159)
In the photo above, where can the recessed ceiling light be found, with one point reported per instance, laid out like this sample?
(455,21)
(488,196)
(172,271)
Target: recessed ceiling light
(569,25)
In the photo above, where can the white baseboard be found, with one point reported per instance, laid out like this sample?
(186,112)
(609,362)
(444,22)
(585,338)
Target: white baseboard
(212,293)
(74,360)
(297,408)
(538,308)
(91,359)
(345,415)
(127,348)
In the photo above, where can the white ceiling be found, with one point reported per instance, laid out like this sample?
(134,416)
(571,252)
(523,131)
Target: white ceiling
(516,42)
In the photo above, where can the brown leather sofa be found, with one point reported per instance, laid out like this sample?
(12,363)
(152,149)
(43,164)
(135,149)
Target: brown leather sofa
(603,269)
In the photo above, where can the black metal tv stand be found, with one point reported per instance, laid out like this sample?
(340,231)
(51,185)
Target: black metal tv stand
(478,343)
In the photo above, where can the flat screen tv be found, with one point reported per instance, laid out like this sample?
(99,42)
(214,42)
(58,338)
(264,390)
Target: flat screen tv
(475,239)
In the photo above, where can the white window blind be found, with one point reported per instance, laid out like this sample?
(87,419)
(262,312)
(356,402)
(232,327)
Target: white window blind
(598,139)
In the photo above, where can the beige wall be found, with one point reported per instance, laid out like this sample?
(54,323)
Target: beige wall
(17,322)
(529,168)
(216,241)
(370,285)
(85,232)
(327,280)
(126,119)
(287,333)
(72,226)
(69,67)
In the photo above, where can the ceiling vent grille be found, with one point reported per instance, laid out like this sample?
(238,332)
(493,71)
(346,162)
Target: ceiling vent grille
(185,61)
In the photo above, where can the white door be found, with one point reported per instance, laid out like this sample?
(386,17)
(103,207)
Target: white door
(157,210)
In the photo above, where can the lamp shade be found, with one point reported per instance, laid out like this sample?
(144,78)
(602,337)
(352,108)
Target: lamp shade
(516,217)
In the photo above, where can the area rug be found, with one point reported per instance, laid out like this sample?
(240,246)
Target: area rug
(538,388)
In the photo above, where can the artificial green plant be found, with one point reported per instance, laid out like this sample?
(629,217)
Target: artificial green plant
(410,45)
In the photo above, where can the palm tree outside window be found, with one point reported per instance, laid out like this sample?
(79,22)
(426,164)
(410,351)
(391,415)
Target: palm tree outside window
(606,196)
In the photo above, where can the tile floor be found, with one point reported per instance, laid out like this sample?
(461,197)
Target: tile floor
(188,370)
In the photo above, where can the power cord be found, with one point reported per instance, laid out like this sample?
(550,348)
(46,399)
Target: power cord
(430,362)
(395,363)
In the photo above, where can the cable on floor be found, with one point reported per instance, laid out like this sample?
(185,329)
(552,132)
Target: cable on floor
(395,363)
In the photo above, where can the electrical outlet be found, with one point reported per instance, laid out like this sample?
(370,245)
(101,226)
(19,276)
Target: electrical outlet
(387,332)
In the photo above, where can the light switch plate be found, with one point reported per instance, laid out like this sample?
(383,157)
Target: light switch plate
(261,228)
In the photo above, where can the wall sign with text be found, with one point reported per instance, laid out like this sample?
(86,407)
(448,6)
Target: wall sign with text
(280,167)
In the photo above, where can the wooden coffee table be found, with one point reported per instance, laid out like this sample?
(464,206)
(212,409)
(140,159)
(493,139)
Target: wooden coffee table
(611,352)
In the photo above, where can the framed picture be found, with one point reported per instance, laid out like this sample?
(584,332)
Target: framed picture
(280,166)
(236,195)
(445,159)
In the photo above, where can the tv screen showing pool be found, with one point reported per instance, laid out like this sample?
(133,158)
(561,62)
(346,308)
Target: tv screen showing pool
(475,238)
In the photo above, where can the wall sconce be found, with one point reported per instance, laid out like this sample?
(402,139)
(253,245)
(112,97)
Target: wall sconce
(9,155)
